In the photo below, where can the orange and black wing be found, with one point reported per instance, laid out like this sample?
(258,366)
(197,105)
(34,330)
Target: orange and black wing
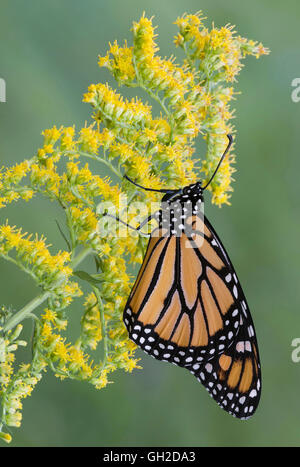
(233,378)
(187,306)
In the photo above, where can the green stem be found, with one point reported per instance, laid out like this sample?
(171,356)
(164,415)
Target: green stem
(26,310)
(80,257)
(19,264)
(98,159)
(105,341)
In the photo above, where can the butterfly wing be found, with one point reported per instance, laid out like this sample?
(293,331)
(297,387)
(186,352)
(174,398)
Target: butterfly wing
(187,307)
(233,379)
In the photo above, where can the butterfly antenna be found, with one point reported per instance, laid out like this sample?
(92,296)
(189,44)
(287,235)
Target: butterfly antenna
(220,161)
(146,188)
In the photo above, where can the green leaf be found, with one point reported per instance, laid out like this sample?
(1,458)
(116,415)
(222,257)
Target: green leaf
(83,275)
(98,263)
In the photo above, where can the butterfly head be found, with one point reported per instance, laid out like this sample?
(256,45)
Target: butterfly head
(193,193)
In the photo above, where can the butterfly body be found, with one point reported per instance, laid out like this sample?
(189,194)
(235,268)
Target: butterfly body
(187,306)
(177,207)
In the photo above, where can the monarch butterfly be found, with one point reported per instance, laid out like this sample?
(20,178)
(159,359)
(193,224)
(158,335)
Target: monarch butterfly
(187,306)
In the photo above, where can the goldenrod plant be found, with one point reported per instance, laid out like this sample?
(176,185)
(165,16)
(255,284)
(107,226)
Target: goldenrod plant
(156,149)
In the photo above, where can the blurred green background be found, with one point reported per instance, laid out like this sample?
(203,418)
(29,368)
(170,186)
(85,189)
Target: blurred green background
(48,58)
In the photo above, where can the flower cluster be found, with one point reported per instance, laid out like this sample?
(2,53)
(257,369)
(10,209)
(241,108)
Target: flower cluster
(14,385)
(216,56)
(33,257)
(124,136)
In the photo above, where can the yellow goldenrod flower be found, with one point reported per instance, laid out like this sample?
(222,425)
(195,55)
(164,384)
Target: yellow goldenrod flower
(158,150)
(51,135)
(6,437)
(67,139)
(121,63)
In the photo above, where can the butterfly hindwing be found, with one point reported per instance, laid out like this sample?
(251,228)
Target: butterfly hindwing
(233,379)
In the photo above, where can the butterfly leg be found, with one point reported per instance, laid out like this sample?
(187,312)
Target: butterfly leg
(139,227)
